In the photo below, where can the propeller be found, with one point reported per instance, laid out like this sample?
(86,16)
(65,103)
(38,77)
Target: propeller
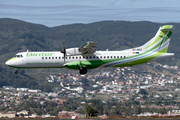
(64,49)
(60,47)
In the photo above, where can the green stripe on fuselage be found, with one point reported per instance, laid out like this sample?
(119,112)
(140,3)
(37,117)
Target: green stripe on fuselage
(91,64)
(143,60)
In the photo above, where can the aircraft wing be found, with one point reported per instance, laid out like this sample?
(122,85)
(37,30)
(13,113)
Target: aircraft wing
(88,48)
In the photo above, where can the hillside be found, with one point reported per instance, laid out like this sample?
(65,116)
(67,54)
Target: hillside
(17,36)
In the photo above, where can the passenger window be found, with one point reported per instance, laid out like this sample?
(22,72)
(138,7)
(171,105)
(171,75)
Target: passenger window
(59,57)
(94,57)
(124,56)
(56,57)
(62,57)
(101,57)
(69,57)
(42,57)
(107,56)
(66,57)
(79,57)
(52,57)
(72,57)
(97,57)
(121,56)
(21,56)
(104,56)
(90,57)
(46,57)
(86,57)
(49,57)
(111,56)
(114,56)
(117,56)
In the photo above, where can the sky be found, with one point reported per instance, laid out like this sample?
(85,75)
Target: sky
(53,13)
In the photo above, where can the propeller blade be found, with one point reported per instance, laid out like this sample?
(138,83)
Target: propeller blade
(64,51)
(60,47)
(64,45)
(64,57)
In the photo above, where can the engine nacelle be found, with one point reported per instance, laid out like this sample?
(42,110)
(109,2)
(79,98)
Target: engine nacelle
(73,51)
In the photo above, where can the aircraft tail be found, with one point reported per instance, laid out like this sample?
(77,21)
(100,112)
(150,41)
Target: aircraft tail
(160,41)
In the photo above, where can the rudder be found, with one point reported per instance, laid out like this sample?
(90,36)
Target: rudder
(160,41)
(168,29)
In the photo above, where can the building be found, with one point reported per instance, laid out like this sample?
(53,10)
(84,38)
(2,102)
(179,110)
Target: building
(33,91)
(8,87)
(10,114)
(73,95)
(67,114)
(53,94)
(22,89)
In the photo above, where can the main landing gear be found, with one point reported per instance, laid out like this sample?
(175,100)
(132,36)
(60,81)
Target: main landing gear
(82,70)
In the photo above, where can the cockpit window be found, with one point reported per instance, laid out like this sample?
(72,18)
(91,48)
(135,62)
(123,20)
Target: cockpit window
(18,56)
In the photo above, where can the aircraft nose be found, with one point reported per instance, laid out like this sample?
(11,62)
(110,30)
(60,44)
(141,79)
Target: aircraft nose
(8,63)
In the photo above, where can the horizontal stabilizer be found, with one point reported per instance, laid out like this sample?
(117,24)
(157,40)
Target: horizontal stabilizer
(166,29)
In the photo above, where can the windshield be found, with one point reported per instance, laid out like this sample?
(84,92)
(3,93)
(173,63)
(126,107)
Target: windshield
(18,56)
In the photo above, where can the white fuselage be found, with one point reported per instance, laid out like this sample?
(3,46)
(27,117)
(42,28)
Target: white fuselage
(55,59)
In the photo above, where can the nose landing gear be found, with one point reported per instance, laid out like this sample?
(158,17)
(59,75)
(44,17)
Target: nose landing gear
(16,70)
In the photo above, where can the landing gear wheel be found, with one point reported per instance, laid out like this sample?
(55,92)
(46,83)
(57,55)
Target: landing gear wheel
(16,72)
(82,70)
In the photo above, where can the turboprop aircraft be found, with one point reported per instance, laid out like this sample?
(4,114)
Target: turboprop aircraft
(86,57)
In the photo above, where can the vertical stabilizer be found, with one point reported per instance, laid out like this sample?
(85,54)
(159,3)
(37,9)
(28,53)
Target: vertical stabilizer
(161,40)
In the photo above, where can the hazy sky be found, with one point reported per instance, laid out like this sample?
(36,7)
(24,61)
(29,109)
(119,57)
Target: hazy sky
(62,12)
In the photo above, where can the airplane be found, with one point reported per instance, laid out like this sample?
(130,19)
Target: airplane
(87,57)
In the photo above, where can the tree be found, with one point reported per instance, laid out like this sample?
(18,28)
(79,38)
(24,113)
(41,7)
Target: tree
(90,111)
(137,110)
(143,91)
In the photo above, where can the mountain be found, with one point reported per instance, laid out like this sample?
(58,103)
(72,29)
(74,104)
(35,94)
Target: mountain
(17,36)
